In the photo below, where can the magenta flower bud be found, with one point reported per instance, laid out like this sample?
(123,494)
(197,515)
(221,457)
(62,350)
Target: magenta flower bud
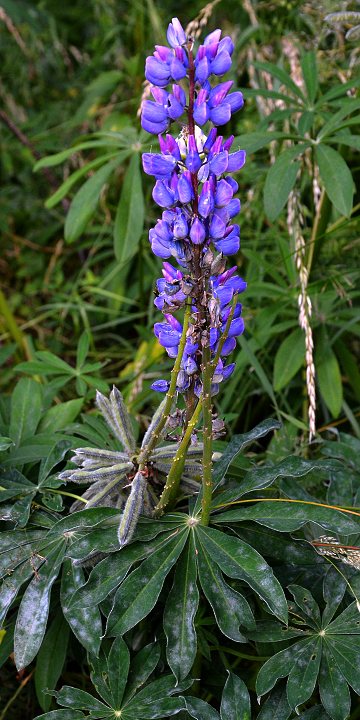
(175,33)
(184,188)
(206,200)
(210,140)
(197,232)
(193,160)
(236,160)
(228,143)
(175,324)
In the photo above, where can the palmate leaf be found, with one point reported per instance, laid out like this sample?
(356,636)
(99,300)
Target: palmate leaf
(85,622)
(329,654)
(287,516)
(140,590)
(117,683)
(180,610)
(235,701)
(239,560)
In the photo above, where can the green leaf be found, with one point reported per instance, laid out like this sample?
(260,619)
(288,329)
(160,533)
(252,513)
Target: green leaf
(276,706)
(26,409)
(261,477)
(55,456)
(85,202)
(251,142)
(85,622)
(82,348)
(235,700)
(138,594)
(51,659)
(199,709)
(280,180)
(129,220)
(64,188)
(289,358)
(61,715)
(281,75)
(287,516)
(80,700)
(179,614)
(278,666)
(118,663)
(352,141)
(345,651)
(310,75)
(335,121)
(58,158)
(337,178)
(239,560)
(334,690)
(5,443)
(239,443)
(229,607)
(304,671)
(306,602)
(110,572)
(60,416)
(143,664)
(329,376)
(34,609)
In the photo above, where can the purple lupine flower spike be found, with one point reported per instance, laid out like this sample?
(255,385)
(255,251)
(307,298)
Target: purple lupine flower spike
(194,188)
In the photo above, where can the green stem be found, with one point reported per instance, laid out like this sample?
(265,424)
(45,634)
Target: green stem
(68,494)
(147,450)
(207,437)
(169,493)
(315,231)
(170,490)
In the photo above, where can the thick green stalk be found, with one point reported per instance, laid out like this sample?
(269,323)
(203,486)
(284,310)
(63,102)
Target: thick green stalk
(147,450)
(207,373)
(170,490)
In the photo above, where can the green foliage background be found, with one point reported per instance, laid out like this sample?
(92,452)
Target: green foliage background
(77,277)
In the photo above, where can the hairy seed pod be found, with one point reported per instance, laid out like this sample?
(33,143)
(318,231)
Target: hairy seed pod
(132,509)
(122,420)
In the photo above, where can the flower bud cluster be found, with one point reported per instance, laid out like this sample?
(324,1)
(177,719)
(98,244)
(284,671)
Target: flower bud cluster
(213,58)
(195,189)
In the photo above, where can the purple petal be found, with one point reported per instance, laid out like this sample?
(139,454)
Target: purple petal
(158,165)
(157,72)
(221,64)
(236,160)
(175,33)
(220,115)
(160,386)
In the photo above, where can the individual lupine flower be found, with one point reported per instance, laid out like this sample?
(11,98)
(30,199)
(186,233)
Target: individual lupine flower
(113,476)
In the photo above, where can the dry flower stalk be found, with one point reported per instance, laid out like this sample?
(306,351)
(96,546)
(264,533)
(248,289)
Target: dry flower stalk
(295,222)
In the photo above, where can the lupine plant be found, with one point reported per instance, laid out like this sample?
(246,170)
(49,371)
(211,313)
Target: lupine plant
(158,567)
